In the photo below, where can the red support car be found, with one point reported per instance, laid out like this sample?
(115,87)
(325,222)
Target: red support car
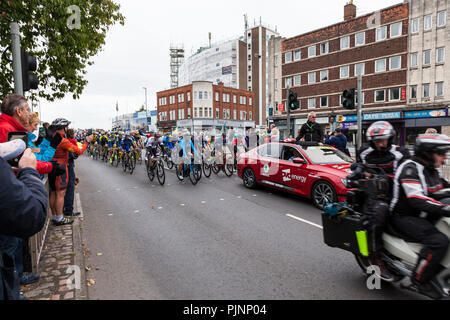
(306,168)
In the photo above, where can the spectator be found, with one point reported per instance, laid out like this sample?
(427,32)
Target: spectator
(338,140)
(46,150)
(431,131)
(311,130)
(274,133)
(58,184)
(23,210)
(70,192)
(15,116)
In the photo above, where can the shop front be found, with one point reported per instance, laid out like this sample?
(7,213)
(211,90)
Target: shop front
(167,126)
(417,122)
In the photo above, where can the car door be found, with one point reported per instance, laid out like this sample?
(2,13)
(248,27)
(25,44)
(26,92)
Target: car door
(294,176)
(268,163)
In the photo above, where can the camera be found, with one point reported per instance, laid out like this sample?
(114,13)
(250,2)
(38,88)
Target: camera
(13,135)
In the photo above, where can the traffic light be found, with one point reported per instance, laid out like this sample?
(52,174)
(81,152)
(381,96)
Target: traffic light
(270,112)
(293,102)
(29,65)
(348,99)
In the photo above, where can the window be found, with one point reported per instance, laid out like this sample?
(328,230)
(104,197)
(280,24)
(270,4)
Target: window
(345,72)
(441,18)
(224,97)
(195,112)
(224,113)
(427,57)
(359,69)
(311,77)
(414,59)
(323,75)
(276,84)
(311,103)
(379,96)
(288,82)
(297,80)
(324,48)
(415,25)
(394,94)
(250,116)
(380,65)
(275,60)
(439,89)
(440,55)
(297,55)
(188,96)
(323,101)
(217,113)
(217,96)
(381,33)
(413,92)
(288,57)
(234,99)
(360,39)
(345,42)
(426,90)
(395,63)
(396,29)
(311,51)
(427,22)
(200,95)
(189,112)
(234,114)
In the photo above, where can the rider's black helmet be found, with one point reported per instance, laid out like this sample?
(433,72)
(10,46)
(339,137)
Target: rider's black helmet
(428,144)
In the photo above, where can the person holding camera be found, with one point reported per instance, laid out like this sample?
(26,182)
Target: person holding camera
(58,184)
(23,210)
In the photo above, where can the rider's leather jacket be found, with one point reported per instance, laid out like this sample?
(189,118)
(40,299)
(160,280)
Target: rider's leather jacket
(387,160)
(417,190)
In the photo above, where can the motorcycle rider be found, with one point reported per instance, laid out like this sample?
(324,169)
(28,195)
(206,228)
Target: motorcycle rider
(415,207)
(379,154)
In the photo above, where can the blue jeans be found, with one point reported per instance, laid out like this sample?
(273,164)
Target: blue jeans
(70,191)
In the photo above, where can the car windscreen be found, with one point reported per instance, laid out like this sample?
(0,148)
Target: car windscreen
(326,155)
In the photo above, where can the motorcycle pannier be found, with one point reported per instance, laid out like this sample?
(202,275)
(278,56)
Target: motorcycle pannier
(345,232)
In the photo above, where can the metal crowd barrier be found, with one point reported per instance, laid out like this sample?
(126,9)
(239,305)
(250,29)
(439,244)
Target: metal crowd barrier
(36,242)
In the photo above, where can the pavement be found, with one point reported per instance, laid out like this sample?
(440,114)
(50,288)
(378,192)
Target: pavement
(61,266)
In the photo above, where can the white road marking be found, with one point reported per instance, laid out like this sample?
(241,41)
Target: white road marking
(182,204)
(305,221)
(203,201)
(136,211)
(222,199)
(159,208)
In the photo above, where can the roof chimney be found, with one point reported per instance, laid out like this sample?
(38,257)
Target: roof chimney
(349,11)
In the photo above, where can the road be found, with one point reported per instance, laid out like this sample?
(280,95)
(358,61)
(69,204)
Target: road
(215,240)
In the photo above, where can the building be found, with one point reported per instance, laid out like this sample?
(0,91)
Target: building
(221,62)
(428,92)
(204,105)
(321,64)
(135,121)
(274,78)
(241,63)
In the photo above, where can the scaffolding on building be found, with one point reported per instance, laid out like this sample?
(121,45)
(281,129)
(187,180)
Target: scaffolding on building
(176,60)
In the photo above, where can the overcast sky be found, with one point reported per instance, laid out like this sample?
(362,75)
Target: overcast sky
(137,54)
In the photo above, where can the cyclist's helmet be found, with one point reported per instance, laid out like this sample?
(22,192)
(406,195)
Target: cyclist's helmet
(428,144)
(60,122)
(380,130)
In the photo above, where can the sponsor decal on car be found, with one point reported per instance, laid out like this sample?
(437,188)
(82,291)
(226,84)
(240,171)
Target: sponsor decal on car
(287,176)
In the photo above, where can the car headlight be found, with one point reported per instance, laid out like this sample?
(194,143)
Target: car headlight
(344,182)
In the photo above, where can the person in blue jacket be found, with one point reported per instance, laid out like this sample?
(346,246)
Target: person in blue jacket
(23,210)
(46,149)
(337,140)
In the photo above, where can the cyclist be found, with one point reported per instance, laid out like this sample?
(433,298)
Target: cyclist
(152,145)
(104,143)
(126,143)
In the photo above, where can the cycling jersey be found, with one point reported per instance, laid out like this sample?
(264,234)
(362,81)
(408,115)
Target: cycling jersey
(125,144)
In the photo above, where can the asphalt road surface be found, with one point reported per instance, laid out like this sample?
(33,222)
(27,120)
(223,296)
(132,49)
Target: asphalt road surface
(215,240)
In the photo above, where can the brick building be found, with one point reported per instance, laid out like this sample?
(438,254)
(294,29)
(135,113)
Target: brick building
(203,105)
(321,64)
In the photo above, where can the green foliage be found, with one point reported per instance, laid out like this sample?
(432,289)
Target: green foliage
(142,109)
(63,52)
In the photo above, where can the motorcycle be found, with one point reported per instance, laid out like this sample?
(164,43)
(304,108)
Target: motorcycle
(347,226)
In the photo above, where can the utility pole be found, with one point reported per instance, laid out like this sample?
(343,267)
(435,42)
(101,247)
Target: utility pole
(359,132)
(288,110)
(17,60)
(145,98)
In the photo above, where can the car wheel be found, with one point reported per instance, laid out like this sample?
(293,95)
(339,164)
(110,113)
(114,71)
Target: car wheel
(322,193)
(249,178)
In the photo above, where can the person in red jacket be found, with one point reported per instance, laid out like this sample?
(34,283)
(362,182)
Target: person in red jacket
(58,184)
(15,115)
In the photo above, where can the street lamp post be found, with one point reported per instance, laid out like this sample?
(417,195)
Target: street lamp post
(145,98)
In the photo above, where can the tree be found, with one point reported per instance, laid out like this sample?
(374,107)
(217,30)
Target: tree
(142,109)
(64,35)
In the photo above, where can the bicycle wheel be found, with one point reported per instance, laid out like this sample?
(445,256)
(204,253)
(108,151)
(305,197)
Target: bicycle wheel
(215,168)
(198,171)
(132,161)
(150,172)
(160,172)
(116,159)
(228,169)
(124,163)
(130,166)
(206,169)
(193,174)
(178,173)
